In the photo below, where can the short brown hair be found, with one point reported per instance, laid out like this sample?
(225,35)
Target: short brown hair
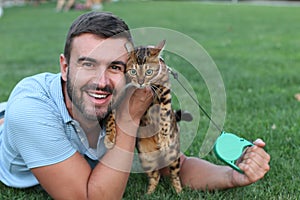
(103,24)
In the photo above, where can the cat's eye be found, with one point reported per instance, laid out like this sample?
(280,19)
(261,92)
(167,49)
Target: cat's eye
(149,72)
(132,72)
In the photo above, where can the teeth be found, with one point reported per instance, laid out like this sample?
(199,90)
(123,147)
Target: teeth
(98,96)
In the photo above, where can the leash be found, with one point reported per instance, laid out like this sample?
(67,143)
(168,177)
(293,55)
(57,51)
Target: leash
(228,147)
(175,75)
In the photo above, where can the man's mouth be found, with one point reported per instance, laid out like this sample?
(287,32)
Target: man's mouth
(98,96)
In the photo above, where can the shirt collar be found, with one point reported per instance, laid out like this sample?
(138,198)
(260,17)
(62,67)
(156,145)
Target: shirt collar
(58,97)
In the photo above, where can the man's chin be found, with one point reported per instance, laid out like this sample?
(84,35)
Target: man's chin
(95,114)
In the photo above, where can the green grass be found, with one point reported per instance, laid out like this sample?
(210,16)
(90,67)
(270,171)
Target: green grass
(256,49)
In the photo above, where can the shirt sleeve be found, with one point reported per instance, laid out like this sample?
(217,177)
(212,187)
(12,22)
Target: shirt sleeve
(37,132)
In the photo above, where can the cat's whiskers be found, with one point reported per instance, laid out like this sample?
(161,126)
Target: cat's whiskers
(155,89)
(159,72)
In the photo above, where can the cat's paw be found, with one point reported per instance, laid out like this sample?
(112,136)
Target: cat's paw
(108,143)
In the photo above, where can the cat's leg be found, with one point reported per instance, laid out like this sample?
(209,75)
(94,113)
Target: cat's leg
(110,137)
(148,158)
(160,114)
(165,118)
(174,174)
(154,177)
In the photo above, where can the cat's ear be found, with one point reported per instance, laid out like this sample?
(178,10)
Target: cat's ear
(156,51)
(129,47)
(161,45)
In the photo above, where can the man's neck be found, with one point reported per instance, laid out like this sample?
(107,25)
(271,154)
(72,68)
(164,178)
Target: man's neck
(90,127)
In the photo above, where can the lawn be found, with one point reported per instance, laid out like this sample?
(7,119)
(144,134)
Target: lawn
(256,50)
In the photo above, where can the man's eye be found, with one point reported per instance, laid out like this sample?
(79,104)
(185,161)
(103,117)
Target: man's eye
(87,64)
(117,67)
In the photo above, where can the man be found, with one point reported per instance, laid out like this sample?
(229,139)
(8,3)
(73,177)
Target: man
(53,128)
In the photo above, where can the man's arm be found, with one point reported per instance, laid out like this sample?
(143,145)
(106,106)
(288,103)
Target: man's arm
(200,174)
(74,179)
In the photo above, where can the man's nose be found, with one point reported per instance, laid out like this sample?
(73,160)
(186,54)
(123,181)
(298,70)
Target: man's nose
(102,79)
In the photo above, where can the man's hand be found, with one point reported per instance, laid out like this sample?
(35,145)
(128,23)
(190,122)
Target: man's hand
(139,103)
(254,163)
(133,107)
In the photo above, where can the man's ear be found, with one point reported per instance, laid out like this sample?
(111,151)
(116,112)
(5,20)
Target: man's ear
(63,67)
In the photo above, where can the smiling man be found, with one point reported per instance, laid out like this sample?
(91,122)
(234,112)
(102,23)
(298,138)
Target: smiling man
(54,124)
(52,132)
(94,73)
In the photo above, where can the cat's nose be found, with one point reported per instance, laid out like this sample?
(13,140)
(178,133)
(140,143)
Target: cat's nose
(142,85)
(141,82)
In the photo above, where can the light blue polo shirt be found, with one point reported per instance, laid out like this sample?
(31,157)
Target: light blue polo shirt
(38,131)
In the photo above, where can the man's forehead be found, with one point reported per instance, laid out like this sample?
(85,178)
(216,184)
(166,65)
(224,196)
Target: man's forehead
(90,44)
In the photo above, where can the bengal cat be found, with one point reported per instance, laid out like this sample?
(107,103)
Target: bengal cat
(158,134)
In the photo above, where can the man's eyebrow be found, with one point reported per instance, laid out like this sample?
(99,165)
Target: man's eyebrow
(84,58)
(80,59)
(118,63)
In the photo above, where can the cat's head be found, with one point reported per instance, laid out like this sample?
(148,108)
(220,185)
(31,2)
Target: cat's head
(143,66)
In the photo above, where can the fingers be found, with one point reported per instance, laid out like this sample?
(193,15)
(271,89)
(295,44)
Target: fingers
(139,102)
(259,142)
(132,108)
(136,101)
(142,96)
(255,162)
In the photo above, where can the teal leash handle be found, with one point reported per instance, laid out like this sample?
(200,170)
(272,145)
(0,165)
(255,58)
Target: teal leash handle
(229,148)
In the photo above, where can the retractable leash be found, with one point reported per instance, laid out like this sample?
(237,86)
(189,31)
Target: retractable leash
(228,147)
